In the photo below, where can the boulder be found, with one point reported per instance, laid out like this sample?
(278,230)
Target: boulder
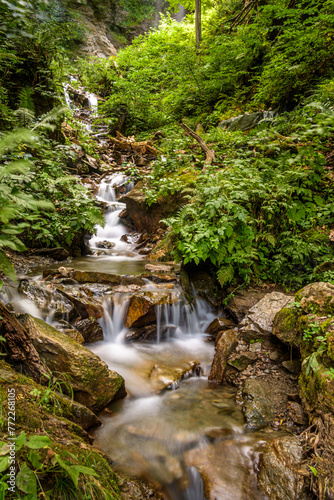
(279,469)
(205,284)
(86,307)
(258,323)
(142,307)
(147,218)
(247,121)
(285,326)
(94,385)
(258,407)
(241,303)
(317,298)
(90,329)
(226,342)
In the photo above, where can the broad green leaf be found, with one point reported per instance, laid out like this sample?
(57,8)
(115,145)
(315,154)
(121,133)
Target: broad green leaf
(72,473)
(6,267)
(21,439)
(4,464)
(26,480)
(35,459)
(37,442)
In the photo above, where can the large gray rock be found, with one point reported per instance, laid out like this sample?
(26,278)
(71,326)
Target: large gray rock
(279,466)
(246,122)
(258,323)
(94,385)
(258,408)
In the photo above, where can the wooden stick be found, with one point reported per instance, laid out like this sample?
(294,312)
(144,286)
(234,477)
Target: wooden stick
(210,154)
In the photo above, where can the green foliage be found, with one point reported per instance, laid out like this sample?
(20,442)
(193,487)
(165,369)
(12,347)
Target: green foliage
(266,212)
(39,461)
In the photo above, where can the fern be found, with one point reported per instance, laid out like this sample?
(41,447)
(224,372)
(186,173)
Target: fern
(225,274)
(25,100)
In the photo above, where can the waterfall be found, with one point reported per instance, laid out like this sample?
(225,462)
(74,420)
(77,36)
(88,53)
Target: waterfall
(112,321)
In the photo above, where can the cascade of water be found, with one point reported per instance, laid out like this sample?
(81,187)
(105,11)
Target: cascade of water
(9,295)
(112,321)
(92,102)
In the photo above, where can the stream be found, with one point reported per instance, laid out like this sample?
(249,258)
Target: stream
(174,428)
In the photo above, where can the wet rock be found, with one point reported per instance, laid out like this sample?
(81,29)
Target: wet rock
(85,307)
(146,333)
(90,329)
(73,334)
(158,268)
(279,466)
(142,307)
(241,361)
(96,277)
(78,413)
(219,325)
(48,300)
(317,298)
(258,323)
(225,471)
(126,289)
(293,366)
(205,285)
(226,342)
(243,300)
(132,280)
(147,219)
(258,407)
(105,244)
(94,385)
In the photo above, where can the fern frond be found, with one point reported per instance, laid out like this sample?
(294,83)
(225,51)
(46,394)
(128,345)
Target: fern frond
(26,101)
(225,274)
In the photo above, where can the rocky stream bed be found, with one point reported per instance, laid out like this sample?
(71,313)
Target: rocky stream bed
(201,402)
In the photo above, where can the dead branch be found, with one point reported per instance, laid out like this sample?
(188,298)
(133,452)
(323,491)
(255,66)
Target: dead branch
(210,154)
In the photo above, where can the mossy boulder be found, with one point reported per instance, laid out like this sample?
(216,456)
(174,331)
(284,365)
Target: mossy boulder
(316,384)
(317,298)
(147,218)
(285,325)
(94,385)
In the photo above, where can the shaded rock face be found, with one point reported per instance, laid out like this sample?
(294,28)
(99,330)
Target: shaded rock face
(144,218)
(246,122)
(219,325)
(279,465)
(258,323)
(90,329)
(205,284)
(242,302)
(94,385)
(225,345)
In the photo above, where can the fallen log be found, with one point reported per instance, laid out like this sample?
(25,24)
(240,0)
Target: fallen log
(210,154)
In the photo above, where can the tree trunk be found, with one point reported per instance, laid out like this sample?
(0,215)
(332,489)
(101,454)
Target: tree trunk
(19,347)
(198,22)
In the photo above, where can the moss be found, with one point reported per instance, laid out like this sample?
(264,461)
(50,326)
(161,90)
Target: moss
(285,326)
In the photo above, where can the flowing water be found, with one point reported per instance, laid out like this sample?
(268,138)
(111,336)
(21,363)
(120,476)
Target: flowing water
(173,428)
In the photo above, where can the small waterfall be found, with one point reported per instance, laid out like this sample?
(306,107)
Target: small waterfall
(10,296)
(112,321)
(180,319)
(92,102)
(108,237)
